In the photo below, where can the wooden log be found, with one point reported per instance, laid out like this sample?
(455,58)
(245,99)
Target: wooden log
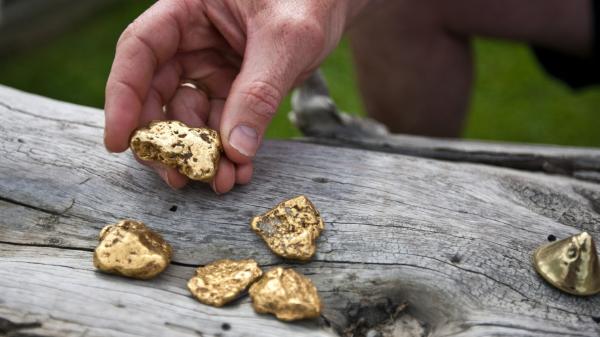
(452,241)
(320,121)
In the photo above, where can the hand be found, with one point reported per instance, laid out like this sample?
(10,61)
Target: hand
(246,55)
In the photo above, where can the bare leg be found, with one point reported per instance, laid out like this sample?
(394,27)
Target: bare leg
(414,62)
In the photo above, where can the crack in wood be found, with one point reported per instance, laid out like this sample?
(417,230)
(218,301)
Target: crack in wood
(13,109)
(41,245)
(179,327)
(11,329)
(524,162)
(520,327)
(39,209)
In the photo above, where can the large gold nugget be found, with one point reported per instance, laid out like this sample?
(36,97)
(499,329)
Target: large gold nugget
(131,249)
(195,152)
(570,264)
(223,281)
(291,228)
(286,294)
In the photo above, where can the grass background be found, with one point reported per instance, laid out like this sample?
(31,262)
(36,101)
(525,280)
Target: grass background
(513,100)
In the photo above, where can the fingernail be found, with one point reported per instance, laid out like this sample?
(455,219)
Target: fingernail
(214,187)
(105,142)
(165,175)
(244,139)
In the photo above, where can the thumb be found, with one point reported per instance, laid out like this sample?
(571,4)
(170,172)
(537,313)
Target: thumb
(269,69)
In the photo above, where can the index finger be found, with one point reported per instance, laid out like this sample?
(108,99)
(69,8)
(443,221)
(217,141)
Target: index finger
(148,42)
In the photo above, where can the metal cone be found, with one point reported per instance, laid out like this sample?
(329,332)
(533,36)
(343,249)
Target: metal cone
(570,264)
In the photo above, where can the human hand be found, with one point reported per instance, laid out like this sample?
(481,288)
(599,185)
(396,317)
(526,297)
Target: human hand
(245,56)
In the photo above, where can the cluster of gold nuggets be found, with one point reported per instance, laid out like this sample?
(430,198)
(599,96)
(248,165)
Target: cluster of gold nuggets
(131,249)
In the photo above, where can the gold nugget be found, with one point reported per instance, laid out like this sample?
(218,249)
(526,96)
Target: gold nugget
(287,294)
(131,249)
(223,281)
(291,228)
(570,264)
(195,152)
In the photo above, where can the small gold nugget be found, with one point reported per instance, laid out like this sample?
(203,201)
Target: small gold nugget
(291,228)
(223,281)
(570,264)
(287,294)
(131,249)
(195,152)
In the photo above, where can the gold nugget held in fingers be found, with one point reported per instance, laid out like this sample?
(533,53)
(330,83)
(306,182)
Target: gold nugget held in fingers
(223,281)
(287,294)
(570,264)
(291,228)
(195,152)
(131,249)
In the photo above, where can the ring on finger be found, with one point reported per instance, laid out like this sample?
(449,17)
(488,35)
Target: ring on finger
(193,84)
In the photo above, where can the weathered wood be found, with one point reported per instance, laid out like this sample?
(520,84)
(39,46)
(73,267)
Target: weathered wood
(71,299)
(452,240)
(317,116)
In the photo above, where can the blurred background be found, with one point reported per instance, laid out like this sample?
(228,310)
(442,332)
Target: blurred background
(64,48)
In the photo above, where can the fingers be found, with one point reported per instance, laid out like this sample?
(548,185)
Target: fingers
(229,173)
(273,59)
(206,67)
(164,86)
(211,69)
(191,106)
(225,178)
(253,101)
(145,45)
(171,176)
(243,173)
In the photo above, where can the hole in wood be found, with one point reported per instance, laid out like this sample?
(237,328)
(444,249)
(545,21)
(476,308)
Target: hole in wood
(455,259)
(10,328)
(381,319)
(551,238)
(173,208)
(225,326)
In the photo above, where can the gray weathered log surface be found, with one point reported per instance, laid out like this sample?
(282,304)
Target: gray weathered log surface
(451,240)
(317,116)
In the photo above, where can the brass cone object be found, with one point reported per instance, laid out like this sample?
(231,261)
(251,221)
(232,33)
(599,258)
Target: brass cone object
(570,264)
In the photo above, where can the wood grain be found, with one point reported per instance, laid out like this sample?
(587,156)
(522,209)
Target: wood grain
(452,240)
(320,121)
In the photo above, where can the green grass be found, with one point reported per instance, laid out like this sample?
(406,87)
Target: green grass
(513,99)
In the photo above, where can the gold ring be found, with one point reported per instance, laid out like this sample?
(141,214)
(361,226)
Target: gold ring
(193,84)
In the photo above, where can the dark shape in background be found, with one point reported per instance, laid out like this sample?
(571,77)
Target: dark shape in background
(26,22)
